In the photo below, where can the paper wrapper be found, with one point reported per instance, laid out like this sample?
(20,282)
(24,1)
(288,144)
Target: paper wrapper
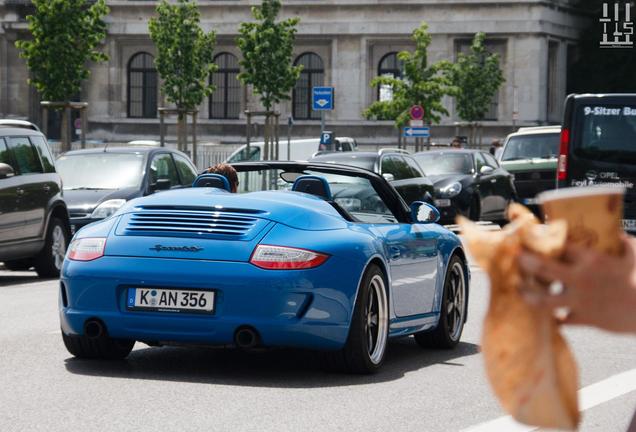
(528,363)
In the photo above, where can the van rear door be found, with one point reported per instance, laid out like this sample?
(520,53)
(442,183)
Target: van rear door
(601,148)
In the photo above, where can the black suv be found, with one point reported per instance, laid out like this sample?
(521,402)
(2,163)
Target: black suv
(597,146)
(396,166)
(34,225)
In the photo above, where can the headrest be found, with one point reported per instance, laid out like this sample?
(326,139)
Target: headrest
(212,180)
(313,185)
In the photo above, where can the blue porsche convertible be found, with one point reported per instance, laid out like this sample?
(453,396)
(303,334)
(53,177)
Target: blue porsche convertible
(308,255)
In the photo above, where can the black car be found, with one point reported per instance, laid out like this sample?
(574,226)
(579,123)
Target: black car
(34,223)
(97,182)
(397,167)
(468,182)
(597,146)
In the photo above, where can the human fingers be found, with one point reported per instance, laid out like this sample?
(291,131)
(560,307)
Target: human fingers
(546,269)
(575,253)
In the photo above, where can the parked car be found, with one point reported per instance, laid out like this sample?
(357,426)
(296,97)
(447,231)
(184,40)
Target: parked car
(530,154)
(267,268)
(468,182)
(34,224)
(302,149)
(396,166)
(597,146)
(15,123)
(97,182)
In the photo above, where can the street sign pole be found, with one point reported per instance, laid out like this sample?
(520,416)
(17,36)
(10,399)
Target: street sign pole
(322,100)
(322,121)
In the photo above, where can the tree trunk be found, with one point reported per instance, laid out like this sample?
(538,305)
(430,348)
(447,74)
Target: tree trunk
(265,174)
(64,132)
(182,130)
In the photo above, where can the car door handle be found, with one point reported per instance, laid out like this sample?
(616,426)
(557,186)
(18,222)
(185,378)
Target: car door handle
(395,252)
(19,191)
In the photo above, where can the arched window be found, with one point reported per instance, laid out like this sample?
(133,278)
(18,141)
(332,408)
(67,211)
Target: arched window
(225,102)
(312,75)
(391,66)
(142,86)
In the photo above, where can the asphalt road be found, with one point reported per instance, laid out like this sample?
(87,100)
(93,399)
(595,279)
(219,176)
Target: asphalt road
(43,388)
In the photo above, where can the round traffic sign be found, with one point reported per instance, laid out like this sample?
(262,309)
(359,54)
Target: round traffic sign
(417,112)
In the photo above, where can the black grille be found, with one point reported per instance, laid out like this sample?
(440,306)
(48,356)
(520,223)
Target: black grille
(193,222)
(536,175)
(78,214)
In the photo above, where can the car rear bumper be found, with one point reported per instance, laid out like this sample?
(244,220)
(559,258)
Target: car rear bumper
(298,308)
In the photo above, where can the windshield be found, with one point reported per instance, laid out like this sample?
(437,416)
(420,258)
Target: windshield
(445,163)
(364,162)
(100,170)
(254,154)
(606,133)
(354,194)
(543,146)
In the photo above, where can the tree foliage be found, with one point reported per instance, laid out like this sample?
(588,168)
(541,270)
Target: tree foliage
(184,53)
(476,77)
(420,84)
(267,48)
(66,35)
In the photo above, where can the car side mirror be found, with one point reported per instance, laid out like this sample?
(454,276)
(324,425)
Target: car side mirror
(422,212)
(388,177)
(485,170)
(159,185)
(6,171)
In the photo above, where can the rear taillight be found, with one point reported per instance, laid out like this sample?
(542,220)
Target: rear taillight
(86,249)
(286,258)
(562,167)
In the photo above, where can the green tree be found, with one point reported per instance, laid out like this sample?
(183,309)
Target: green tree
(476,77)
(420,84)
(184,58)
(267,48)
(65,36)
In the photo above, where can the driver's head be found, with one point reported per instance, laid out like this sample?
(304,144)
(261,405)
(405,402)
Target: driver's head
(228,172)
(456,164)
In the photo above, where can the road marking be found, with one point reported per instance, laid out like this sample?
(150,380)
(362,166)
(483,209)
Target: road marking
(589,397)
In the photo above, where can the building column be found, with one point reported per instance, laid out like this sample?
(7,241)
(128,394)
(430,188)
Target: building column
(4,79)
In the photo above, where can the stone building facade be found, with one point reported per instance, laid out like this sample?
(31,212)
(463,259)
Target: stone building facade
(342,43)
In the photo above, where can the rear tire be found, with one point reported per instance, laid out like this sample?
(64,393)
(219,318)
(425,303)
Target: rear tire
(366,344)
(19,265)
(48,263)
(104,347)
(453,311)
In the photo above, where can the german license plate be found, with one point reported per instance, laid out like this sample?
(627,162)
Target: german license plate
(169,300)
(629,224)
(442,203)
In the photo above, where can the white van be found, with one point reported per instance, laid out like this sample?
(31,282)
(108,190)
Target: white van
(300,149)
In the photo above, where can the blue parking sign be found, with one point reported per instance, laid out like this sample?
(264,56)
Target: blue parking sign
(326,138)
(322,99)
